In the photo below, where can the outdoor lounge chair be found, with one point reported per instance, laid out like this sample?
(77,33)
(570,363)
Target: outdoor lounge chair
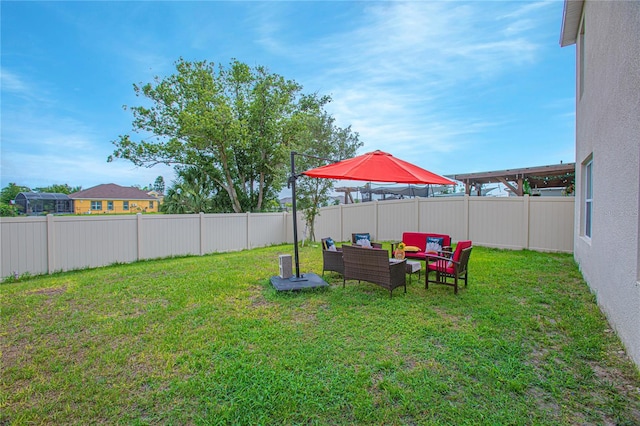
(448,270)
(331,257)
(374,266)
(358,237)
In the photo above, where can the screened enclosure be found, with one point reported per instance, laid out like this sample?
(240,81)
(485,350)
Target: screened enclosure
(32,203)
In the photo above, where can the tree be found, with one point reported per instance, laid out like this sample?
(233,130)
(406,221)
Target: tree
(194,192)
(322,138)
(158,186)
(231,123)
(7,195)
(63,188)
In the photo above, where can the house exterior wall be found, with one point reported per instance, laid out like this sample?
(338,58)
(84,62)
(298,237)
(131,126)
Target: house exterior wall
(83,206)
(608,132)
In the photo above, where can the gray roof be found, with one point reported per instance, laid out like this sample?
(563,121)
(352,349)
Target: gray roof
(111,191)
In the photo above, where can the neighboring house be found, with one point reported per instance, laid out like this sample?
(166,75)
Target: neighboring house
(112,198)
(607,225)
(157,195)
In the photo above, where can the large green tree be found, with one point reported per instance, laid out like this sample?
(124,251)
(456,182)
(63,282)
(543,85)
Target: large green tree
(321,138)
(194,191)
(59,188)
(158,185)
(231,123)
(7,194)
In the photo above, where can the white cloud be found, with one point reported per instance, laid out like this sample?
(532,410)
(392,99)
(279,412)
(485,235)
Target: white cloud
(12,82)
(398,73)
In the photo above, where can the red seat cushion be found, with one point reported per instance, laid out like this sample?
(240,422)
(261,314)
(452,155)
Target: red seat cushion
(440,266)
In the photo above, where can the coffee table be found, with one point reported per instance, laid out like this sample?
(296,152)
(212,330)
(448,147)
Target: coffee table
(410,267)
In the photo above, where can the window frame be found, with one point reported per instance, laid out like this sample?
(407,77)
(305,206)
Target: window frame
(96,205)
(110,205)
(587,227)
(125,206)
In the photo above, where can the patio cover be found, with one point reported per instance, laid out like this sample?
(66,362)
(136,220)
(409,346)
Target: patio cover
(551,176)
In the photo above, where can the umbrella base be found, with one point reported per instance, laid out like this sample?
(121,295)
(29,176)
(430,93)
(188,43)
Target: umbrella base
(308,280)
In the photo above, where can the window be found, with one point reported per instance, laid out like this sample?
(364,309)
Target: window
(96,205)
(150,204)
(109,205)
(588,197)
(125,205)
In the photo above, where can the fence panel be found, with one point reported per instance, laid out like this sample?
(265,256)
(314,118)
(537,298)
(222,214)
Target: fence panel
(224,232)
(551,224)
(444,216)
(329,223)
(265,229)
(361,217)
(23,246)
(394,217)
(497,222)
(169,235)
(90,241)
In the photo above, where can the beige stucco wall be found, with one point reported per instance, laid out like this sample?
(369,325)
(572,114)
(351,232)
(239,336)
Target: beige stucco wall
(82,206)
(608,128)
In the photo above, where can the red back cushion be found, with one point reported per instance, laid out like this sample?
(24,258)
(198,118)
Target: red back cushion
(461,246)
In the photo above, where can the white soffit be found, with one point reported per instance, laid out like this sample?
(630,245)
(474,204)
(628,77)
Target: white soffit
(570,21)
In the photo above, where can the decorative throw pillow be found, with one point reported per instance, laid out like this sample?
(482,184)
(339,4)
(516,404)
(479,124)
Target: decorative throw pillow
(363,240)
(434,245)
(331,246)
(412,249)
(450,262)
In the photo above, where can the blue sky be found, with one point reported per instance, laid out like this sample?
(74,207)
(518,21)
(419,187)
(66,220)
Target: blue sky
(454,87)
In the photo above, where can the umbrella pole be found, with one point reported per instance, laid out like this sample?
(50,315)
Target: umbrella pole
(292,181)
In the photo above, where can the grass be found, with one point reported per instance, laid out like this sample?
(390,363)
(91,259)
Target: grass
(207,340)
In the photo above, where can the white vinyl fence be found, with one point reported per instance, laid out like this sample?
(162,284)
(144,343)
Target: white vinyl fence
(40,245)
(535,223)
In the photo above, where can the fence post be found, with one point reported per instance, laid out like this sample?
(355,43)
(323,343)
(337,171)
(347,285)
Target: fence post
(467,200)
(341,223)
(201,223)
(139,235)
(50,245)
(416,201)
(248,227)
(525,220)
(285,226)
(376,218)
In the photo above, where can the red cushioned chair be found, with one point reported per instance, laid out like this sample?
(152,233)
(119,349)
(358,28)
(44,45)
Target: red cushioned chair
(448,270)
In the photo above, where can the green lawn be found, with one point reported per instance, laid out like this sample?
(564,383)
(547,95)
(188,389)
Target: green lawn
(207,340)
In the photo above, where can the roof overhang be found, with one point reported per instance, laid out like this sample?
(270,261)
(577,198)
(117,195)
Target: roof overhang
(571,16)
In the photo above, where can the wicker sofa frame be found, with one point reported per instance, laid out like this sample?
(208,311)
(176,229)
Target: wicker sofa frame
(373,265)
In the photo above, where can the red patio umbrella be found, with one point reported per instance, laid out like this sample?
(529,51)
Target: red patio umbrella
(378,166)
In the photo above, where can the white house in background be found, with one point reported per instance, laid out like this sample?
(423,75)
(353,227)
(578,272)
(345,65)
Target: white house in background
(607,224)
